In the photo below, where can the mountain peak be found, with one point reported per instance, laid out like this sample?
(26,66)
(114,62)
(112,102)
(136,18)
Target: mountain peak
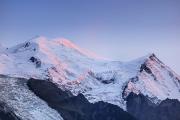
(75,69)
(60,41)
(151,55)
(57,41)
(58,45)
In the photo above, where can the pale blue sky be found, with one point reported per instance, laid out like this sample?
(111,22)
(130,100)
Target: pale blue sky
(116,29)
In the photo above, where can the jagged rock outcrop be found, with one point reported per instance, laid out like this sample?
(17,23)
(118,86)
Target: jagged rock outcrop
(6,113)
(144,109)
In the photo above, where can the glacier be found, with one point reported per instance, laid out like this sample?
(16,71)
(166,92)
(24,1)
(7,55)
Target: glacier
(80,71)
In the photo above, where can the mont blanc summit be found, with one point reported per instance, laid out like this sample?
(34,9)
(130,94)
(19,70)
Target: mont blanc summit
(78,77)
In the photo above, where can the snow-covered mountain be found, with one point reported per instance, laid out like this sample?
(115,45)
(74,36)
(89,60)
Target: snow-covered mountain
(80,71)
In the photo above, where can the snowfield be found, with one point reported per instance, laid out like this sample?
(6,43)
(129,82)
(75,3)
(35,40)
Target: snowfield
(81,71)
(24,102)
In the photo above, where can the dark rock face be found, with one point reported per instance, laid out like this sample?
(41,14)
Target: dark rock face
(125,86)
(6,113)
(143,109)
(101,79)
(36,61)
(108,81)
(27,44)
(144,67)
(105,81)
(75,107)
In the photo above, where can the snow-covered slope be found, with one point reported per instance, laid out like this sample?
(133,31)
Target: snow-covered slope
(26,105)
(80,71)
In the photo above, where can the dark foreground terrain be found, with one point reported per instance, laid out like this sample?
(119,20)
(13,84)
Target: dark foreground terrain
(70,107)
(143,109)
(76,107)
(6,113)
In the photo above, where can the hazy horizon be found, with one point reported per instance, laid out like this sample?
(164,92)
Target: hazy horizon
(118,29)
